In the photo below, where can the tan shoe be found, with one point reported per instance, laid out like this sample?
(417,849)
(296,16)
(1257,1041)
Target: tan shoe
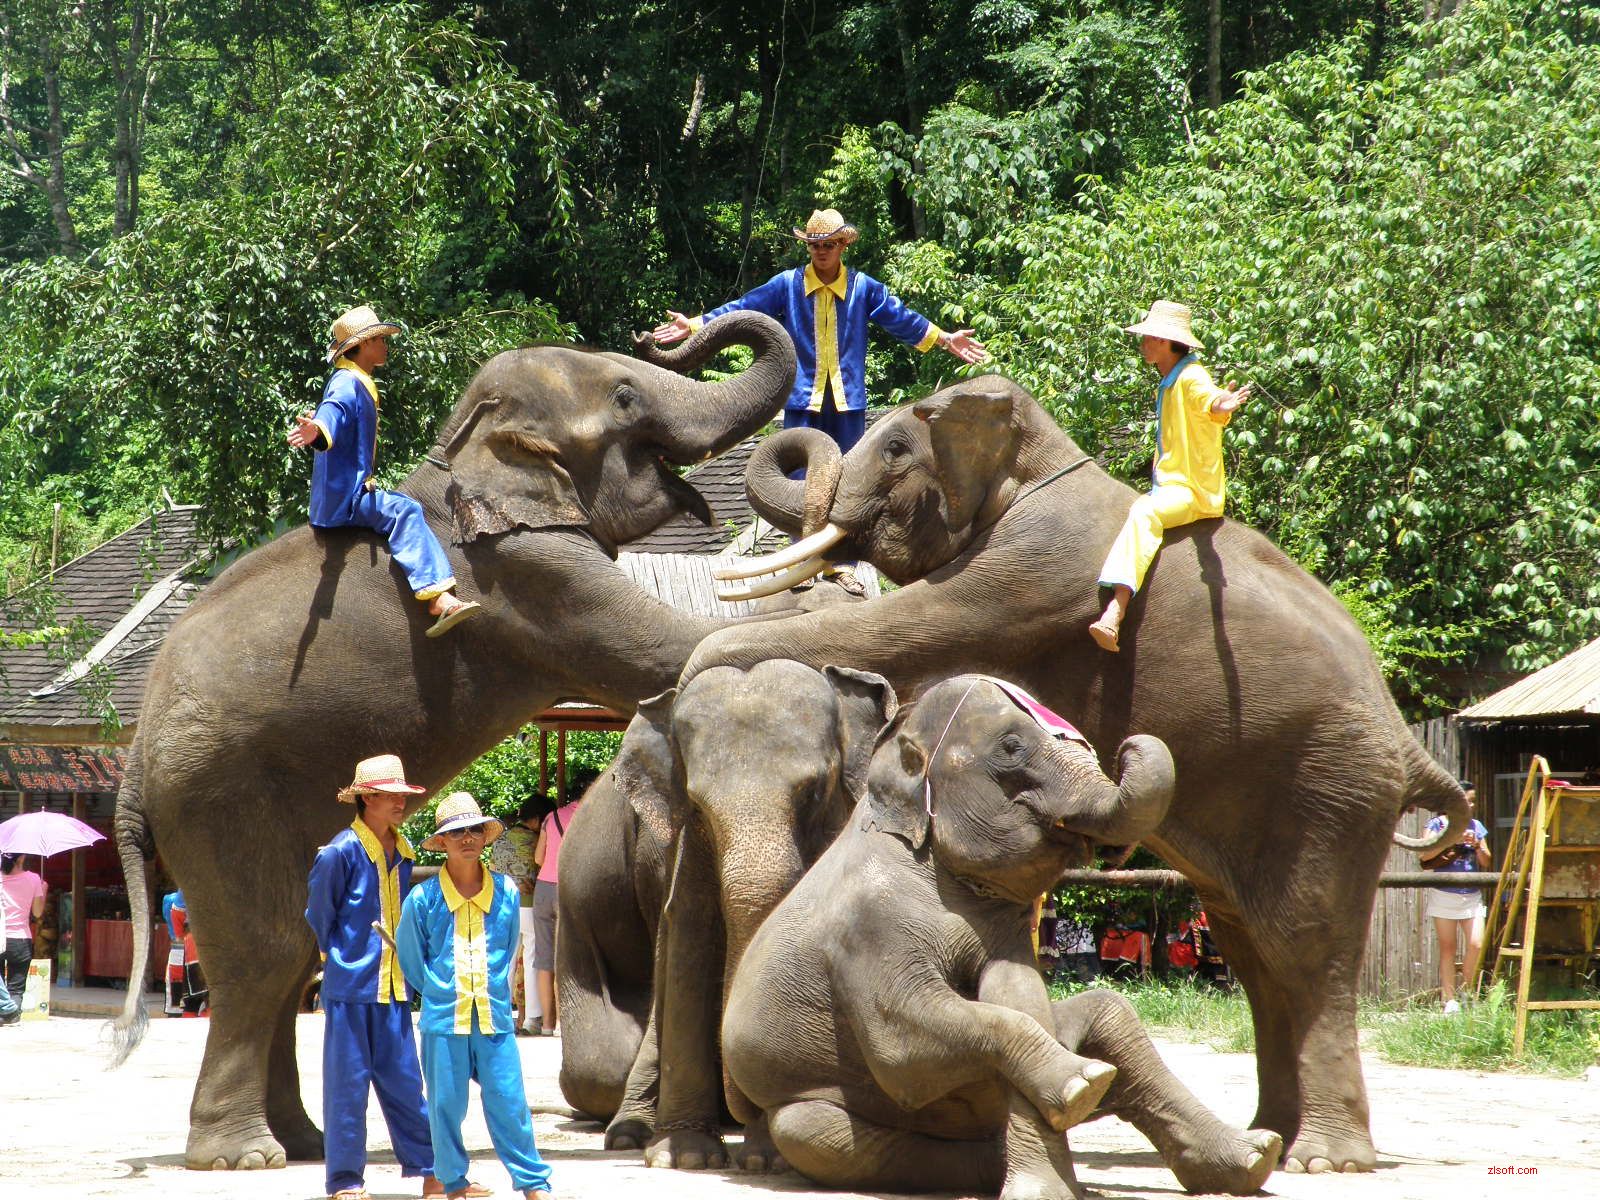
(461,611)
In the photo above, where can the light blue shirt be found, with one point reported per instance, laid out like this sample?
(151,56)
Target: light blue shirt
(457,952)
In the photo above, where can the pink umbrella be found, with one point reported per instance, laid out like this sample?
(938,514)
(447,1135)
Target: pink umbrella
(45,833)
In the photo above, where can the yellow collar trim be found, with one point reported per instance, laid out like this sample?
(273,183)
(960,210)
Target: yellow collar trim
(839,287)
(344,364)
(483,901)
(374,848)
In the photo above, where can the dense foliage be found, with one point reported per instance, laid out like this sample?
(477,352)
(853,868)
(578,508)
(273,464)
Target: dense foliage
(1381,210)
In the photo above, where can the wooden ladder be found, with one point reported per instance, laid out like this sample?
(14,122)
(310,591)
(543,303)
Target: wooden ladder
(1552,861)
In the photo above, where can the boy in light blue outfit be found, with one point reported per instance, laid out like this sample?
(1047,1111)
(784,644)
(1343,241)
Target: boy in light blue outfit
(457,943)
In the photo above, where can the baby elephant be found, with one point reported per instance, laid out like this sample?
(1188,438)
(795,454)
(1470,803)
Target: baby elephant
(888,1019)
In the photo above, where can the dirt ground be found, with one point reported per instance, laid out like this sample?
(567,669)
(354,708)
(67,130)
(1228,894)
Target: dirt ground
(68,1128)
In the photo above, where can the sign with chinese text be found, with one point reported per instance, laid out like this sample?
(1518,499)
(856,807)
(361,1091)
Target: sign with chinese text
(59,769)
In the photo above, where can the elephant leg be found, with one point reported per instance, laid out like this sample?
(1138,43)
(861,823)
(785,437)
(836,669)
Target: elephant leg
(286,1112)
(1307,1062)
(757,1153)
(635,1118)
(688,977)
(1206,1154)
(833,1147)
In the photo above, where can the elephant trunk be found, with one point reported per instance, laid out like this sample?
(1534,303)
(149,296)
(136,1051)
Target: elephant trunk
(791,505)
(709,418)
(1130,810)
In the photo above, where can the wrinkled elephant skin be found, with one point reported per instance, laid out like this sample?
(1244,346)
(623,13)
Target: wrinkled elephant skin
(888,1018)
(1293,762)
(309,654)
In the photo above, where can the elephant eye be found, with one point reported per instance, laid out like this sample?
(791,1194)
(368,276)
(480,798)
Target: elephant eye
(624,397)
(895,448)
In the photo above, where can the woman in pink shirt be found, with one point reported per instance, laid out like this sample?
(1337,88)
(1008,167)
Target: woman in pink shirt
(22,904)
(547,856)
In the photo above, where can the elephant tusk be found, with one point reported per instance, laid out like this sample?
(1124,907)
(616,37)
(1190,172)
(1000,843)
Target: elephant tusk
(755,589)
(807,548)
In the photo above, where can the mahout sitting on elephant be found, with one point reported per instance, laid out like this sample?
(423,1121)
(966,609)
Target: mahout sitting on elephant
(304,655)
(888,1017)
(1293,762)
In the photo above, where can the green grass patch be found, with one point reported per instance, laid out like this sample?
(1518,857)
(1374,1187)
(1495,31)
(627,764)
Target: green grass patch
(1478,1038)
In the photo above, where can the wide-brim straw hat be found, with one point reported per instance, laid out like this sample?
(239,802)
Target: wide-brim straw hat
(357,326)
(459,810)
(1169,320)
(826,224)
(381,773)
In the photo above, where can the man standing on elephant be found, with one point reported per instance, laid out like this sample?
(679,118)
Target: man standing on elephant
(344,430)
(825,309)
(1190,485)
(357,884)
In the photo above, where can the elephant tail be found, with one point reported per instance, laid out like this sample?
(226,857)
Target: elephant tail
(1430,786)
(131,829)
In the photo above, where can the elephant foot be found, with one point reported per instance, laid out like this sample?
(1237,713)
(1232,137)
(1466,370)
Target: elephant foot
(252,1148)
(627,1133)
(757,1153)
(687,1150)
(1026,1185)
(301,1140)
(1081,1095)
(1238,1162)
(1314,1154)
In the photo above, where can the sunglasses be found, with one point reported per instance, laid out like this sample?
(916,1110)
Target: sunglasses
(475,830)
(825,245)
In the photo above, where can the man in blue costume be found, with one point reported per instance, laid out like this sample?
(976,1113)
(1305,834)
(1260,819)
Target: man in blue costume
(344,431)
(826,310)
(357,883)
(458,939)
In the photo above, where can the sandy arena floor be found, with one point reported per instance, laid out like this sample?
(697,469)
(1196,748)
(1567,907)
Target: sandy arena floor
(68,1128)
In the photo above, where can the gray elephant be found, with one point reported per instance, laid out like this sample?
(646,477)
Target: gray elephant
(757,771)
(888,1017)
(618,856)
(306,655)
(1293,763)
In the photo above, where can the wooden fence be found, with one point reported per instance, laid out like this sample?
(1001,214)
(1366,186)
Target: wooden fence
(1402,952)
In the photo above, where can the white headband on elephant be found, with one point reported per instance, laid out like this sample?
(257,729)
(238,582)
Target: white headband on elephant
(1051,722)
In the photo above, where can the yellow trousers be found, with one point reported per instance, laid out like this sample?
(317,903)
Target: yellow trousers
(1166,507)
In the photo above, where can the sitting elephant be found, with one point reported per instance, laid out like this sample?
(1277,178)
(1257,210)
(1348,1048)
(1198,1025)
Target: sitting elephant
(758,770)
(308,654)
(1293,762)
(888,1017)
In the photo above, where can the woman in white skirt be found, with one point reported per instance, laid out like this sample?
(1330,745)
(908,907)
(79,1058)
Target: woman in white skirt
(1458,912)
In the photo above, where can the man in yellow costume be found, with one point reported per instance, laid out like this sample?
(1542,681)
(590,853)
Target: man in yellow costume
(1190,484)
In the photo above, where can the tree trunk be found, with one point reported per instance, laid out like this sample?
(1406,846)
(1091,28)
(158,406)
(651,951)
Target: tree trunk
(755,151)
(37,154)
(908,72)
(55,183)
(1214,54)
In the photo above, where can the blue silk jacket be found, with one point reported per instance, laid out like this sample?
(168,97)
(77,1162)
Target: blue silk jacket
(828,323)
(348,892)
(347,449)
(457,951)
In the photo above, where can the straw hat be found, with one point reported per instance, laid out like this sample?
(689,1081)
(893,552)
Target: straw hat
(826,224)
(1167,320)
(383,773)
(357,326)
(459,810)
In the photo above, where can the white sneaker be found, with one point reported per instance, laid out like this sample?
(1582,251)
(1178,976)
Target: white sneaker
(1451,1006)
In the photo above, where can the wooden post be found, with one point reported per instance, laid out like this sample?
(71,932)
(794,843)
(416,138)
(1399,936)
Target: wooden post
(79,925)
(1541,817)
(561,766)
(544,763)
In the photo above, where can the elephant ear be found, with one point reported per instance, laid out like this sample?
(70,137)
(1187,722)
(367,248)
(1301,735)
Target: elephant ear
(866,704)
(895,786)
(973,441)
(503,479)
(644,766)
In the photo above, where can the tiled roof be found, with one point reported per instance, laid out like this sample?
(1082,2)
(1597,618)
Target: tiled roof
(103,587)
(1567,687)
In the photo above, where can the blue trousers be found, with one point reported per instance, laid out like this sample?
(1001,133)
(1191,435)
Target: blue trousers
(399,518)
(369,1045)
(449,1060)
(845,428)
